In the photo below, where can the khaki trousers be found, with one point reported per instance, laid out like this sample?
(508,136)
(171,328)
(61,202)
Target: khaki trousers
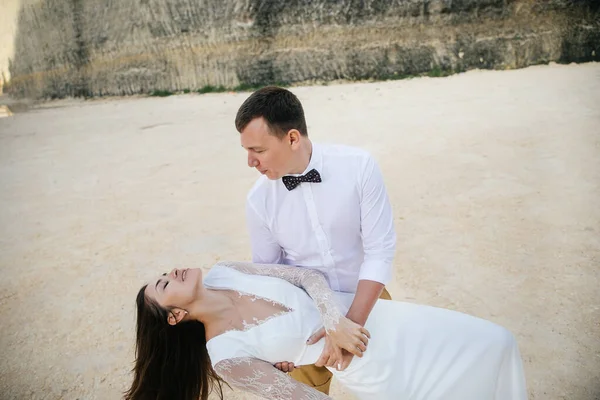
(320,377)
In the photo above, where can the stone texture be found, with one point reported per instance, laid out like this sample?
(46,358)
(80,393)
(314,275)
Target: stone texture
(108,47)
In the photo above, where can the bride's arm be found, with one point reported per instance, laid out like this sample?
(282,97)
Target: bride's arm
(262,379)
(313,282)
(346,333)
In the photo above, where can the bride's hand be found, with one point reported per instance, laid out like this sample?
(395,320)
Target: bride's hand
(331,356)
(350,336)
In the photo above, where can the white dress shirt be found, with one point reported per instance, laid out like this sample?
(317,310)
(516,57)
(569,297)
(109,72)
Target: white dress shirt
(342,226)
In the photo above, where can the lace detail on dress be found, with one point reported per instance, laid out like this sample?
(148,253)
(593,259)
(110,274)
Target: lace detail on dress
(313,282)
(255,321)
(245,324)
(261,378)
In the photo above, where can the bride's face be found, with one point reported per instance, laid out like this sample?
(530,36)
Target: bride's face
(179,288)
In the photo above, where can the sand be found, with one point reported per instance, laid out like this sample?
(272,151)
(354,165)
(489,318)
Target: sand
(494,177)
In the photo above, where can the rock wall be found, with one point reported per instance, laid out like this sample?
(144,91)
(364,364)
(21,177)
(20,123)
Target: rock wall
(8,25)
(121,47)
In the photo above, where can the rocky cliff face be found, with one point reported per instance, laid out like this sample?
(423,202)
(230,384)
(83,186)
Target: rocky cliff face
(120,47)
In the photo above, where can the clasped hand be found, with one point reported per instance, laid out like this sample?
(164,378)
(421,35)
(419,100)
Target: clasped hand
(346,340)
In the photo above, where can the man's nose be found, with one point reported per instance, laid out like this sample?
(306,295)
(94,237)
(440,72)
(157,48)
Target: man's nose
(252,162)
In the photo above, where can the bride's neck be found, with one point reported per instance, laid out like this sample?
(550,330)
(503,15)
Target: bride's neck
(212,307)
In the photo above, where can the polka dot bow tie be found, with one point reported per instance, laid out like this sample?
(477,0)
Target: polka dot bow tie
(291,182)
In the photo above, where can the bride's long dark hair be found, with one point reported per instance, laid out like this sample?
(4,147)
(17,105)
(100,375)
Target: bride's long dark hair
(172,361)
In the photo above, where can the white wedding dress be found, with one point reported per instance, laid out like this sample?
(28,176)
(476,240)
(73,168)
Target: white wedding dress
(415,352)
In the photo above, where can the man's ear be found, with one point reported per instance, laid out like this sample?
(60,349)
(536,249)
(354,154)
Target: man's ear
(176,315)
(293,136)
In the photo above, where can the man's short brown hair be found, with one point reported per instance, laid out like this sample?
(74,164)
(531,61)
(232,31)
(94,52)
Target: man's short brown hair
(280,108)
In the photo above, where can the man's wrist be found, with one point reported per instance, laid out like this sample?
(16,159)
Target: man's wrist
(366,296)
(357,318)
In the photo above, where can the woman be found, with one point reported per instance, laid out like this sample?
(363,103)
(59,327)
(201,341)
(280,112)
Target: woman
(243,318)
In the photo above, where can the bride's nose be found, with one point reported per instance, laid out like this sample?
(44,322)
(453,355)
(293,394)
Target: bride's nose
(174,273)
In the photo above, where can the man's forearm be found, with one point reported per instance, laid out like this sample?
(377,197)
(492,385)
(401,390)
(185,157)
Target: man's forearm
(365,298)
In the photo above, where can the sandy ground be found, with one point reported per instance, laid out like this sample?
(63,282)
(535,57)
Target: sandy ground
(494,179)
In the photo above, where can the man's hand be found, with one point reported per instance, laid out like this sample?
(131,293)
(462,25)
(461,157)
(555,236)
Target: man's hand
(350,336)
(285,366)
(332,355)
(347,335)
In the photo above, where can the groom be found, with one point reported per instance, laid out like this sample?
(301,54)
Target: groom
(316,206)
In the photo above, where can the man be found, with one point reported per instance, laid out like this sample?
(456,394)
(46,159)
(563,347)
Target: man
(316,206)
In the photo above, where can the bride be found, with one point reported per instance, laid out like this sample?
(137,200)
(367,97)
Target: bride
(231,327)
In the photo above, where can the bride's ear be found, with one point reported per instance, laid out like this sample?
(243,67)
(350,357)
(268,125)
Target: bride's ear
(176,315)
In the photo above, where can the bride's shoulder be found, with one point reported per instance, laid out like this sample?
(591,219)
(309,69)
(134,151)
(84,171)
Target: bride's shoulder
(238,266)
(223,267)
(217,273)
(222,271)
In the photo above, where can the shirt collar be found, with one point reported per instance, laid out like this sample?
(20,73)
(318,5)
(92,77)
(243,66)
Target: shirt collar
(316,159)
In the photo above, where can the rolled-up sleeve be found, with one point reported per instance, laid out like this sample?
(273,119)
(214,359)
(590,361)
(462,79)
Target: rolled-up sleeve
(377,226)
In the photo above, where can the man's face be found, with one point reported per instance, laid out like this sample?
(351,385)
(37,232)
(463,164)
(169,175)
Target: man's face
(267,153)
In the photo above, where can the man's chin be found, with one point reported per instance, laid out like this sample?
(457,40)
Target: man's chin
(271,176)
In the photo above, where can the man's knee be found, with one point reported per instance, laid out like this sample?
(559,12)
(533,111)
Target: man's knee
(385,295)
(313,376)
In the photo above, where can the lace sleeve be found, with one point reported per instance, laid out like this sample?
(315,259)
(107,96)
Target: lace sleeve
(313,282)
(261,378)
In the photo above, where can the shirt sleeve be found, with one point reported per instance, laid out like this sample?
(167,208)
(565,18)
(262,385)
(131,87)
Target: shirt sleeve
(265,248)
(261,378)
(377,226)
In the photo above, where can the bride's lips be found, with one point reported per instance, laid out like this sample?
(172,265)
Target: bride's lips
(183,274)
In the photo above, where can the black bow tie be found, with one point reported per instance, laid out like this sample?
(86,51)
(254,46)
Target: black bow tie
(291,182)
